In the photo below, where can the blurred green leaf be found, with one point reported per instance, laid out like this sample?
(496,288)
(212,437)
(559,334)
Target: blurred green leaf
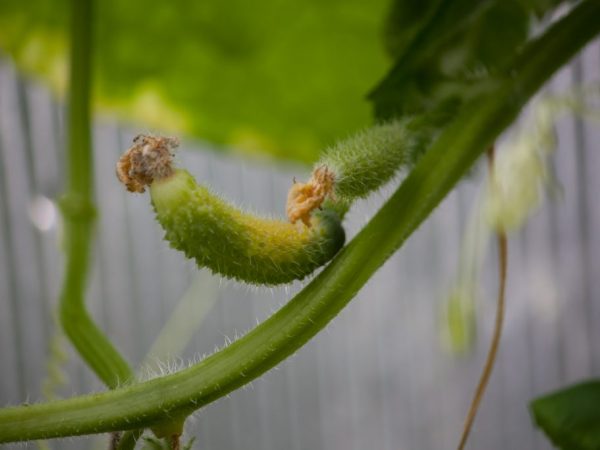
(405,21)
(450,50)
(571,417)
(265,76)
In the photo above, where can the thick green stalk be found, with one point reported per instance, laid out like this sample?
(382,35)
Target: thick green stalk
(78,209)
(79,212)
(459,145)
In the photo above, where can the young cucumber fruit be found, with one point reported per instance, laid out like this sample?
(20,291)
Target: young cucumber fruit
(236,244)
(259,250)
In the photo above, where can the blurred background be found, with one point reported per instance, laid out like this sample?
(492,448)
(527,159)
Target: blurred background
(381,375)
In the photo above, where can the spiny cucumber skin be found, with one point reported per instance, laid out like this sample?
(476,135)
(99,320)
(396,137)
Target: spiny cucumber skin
(238,245)
(368,160)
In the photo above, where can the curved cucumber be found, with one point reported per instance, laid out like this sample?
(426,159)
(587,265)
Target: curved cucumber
(239,245)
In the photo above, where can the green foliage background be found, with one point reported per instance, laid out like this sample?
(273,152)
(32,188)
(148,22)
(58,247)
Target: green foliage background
(268,76)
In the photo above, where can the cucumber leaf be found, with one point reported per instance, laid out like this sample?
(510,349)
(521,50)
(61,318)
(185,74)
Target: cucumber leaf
(571,417)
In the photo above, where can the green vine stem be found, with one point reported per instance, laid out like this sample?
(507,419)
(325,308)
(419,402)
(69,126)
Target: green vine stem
(78,209)
(450,157)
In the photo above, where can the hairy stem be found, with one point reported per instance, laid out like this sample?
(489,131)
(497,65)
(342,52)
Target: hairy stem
(78,209)
(459,145)
(79,212)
